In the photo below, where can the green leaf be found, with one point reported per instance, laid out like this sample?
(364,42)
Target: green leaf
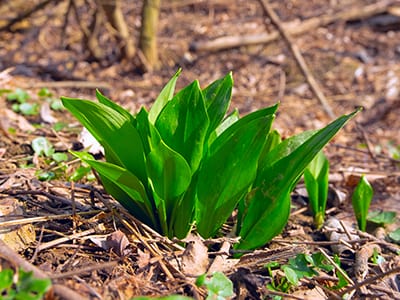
(395,236)
(228,171)
(104,100)
(361,200)
(291,275)
(269,202)
(29,109)
(183,124)
(316,178)
(6,279)
(18,95)
(59,157)
(217,98)
(382,217)
(168,173)
(114,131)
(219,287)
(134,197)
(42,146)
(166,95)
(29,287)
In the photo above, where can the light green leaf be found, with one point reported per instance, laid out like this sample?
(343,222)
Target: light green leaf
(361,200)
(114,131)
(382,217)
(42,146)
(166,95)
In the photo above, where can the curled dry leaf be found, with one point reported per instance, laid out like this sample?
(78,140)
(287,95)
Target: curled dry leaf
(46,114)
(17,237)
(195,257)
(11,120)
(116,241)
(334,233)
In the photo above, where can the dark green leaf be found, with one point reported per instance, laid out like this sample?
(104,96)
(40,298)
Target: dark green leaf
(217,98)
(268,209)
(228,171)
(183,124)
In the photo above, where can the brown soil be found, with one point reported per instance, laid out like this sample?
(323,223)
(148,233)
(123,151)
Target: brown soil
(356,63)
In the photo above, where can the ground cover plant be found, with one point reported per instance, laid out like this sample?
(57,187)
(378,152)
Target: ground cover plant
(185,162)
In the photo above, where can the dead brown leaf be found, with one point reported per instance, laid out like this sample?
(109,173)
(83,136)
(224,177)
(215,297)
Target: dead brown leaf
(195,257)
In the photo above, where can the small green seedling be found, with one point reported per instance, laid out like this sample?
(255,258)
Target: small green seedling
(26,286)
(19,99)
(381,218)
(303,265)
(219,286)
(316,179)
(361,200)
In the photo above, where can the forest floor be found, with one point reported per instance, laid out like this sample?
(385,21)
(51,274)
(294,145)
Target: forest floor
(79,237)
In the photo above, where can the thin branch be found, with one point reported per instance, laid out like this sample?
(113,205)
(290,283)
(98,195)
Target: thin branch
(298,57)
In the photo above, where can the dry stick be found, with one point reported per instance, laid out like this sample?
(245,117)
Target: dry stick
(298,57)
(293,28)
(25,14)
(8,254)
(87,269)
(370,280)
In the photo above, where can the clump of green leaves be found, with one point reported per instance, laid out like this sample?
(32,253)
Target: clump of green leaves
(26,286)
(361,200)
(316,179)
(185,162)
(20,98)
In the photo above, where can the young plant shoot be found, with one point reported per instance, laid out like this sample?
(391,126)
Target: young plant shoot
(185,162)
(316,180)
(361,200)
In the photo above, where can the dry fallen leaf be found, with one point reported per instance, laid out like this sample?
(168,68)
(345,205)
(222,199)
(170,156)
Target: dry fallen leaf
(195,257)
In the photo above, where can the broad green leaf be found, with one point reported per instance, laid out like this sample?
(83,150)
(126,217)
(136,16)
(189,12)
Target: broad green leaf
(6,279)
(268,209)
(183,124)
(166,95)
(117,180)
(104,100)
(226,123)
(361,200)
(219,287)
(169,174)
(230,132)
(217,98)
(114,131)
(228,171)
(382,217)
(183,214)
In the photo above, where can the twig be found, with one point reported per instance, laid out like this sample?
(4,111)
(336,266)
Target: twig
(298,57)
(293,28)
(65,239)
(86,269)
(62,291)
(26,14)
(339,269)
(370,280)
(70,84)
